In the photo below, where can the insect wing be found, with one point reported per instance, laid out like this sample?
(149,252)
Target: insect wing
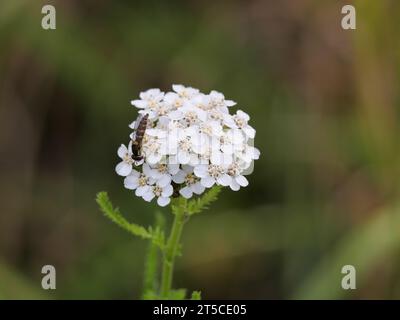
(137,121)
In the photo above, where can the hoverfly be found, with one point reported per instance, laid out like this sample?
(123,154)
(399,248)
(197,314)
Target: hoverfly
(137,138)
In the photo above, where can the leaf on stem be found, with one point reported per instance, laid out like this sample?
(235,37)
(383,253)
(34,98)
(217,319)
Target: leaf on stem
(178,205)
(115,216)
(197,205)
(156,234)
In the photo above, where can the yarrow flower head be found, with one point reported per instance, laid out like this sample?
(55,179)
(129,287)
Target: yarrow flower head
(184,142)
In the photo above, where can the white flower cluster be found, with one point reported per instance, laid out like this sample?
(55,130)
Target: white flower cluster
(190,143)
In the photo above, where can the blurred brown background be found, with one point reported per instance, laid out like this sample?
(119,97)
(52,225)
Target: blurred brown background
(324,101)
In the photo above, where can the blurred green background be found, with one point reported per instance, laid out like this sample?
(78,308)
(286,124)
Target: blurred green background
(324,101)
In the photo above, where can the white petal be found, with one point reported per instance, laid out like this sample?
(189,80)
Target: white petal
(162,133)
(140,191)
(186,192)
(147,170)
(123,169)
(234,185)
(249,131)
(173,168)
(243,115)
(164,180)
(135,173)
(131,182)
(201,114)
(246,157)
(167,191)
(181,134)
(224,109)
(183,157)
(155,174)
(172,147)
(153,132)
(152,115)
(178,87)
(237,136)
(170,97)
(216,157)
(201,170)
(179,177)
(154,158)
(151,93)
(224,180)
(187,168)
(132,125)
(228,120)
(139,104)
(256,153)
(227,159)
(242,181)
(208,182)
(172,159)
(163,122)
(162,202)
(175,115)
(197,188)
(230,103)
(163,148)
(149,195)
(216,128)
(194,161)
(227,148)
(122,151)
(200,147)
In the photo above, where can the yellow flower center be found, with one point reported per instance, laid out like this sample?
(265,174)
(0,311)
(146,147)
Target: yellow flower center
(143,180)
(190,179)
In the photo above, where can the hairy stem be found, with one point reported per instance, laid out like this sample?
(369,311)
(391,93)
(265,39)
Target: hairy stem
(171,250)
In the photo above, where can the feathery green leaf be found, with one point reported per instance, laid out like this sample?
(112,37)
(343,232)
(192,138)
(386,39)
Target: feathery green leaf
(197,205)
(115,216)
(178,204)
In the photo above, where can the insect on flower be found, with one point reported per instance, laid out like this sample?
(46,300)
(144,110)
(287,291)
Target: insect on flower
(137,138)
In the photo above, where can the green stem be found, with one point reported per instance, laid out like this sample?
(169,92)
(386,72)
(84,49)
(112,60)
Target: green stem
(150,281)
(172,250)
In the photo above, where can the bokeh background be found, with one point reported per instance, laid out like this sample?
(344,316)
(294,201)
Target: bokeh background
(324,101)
